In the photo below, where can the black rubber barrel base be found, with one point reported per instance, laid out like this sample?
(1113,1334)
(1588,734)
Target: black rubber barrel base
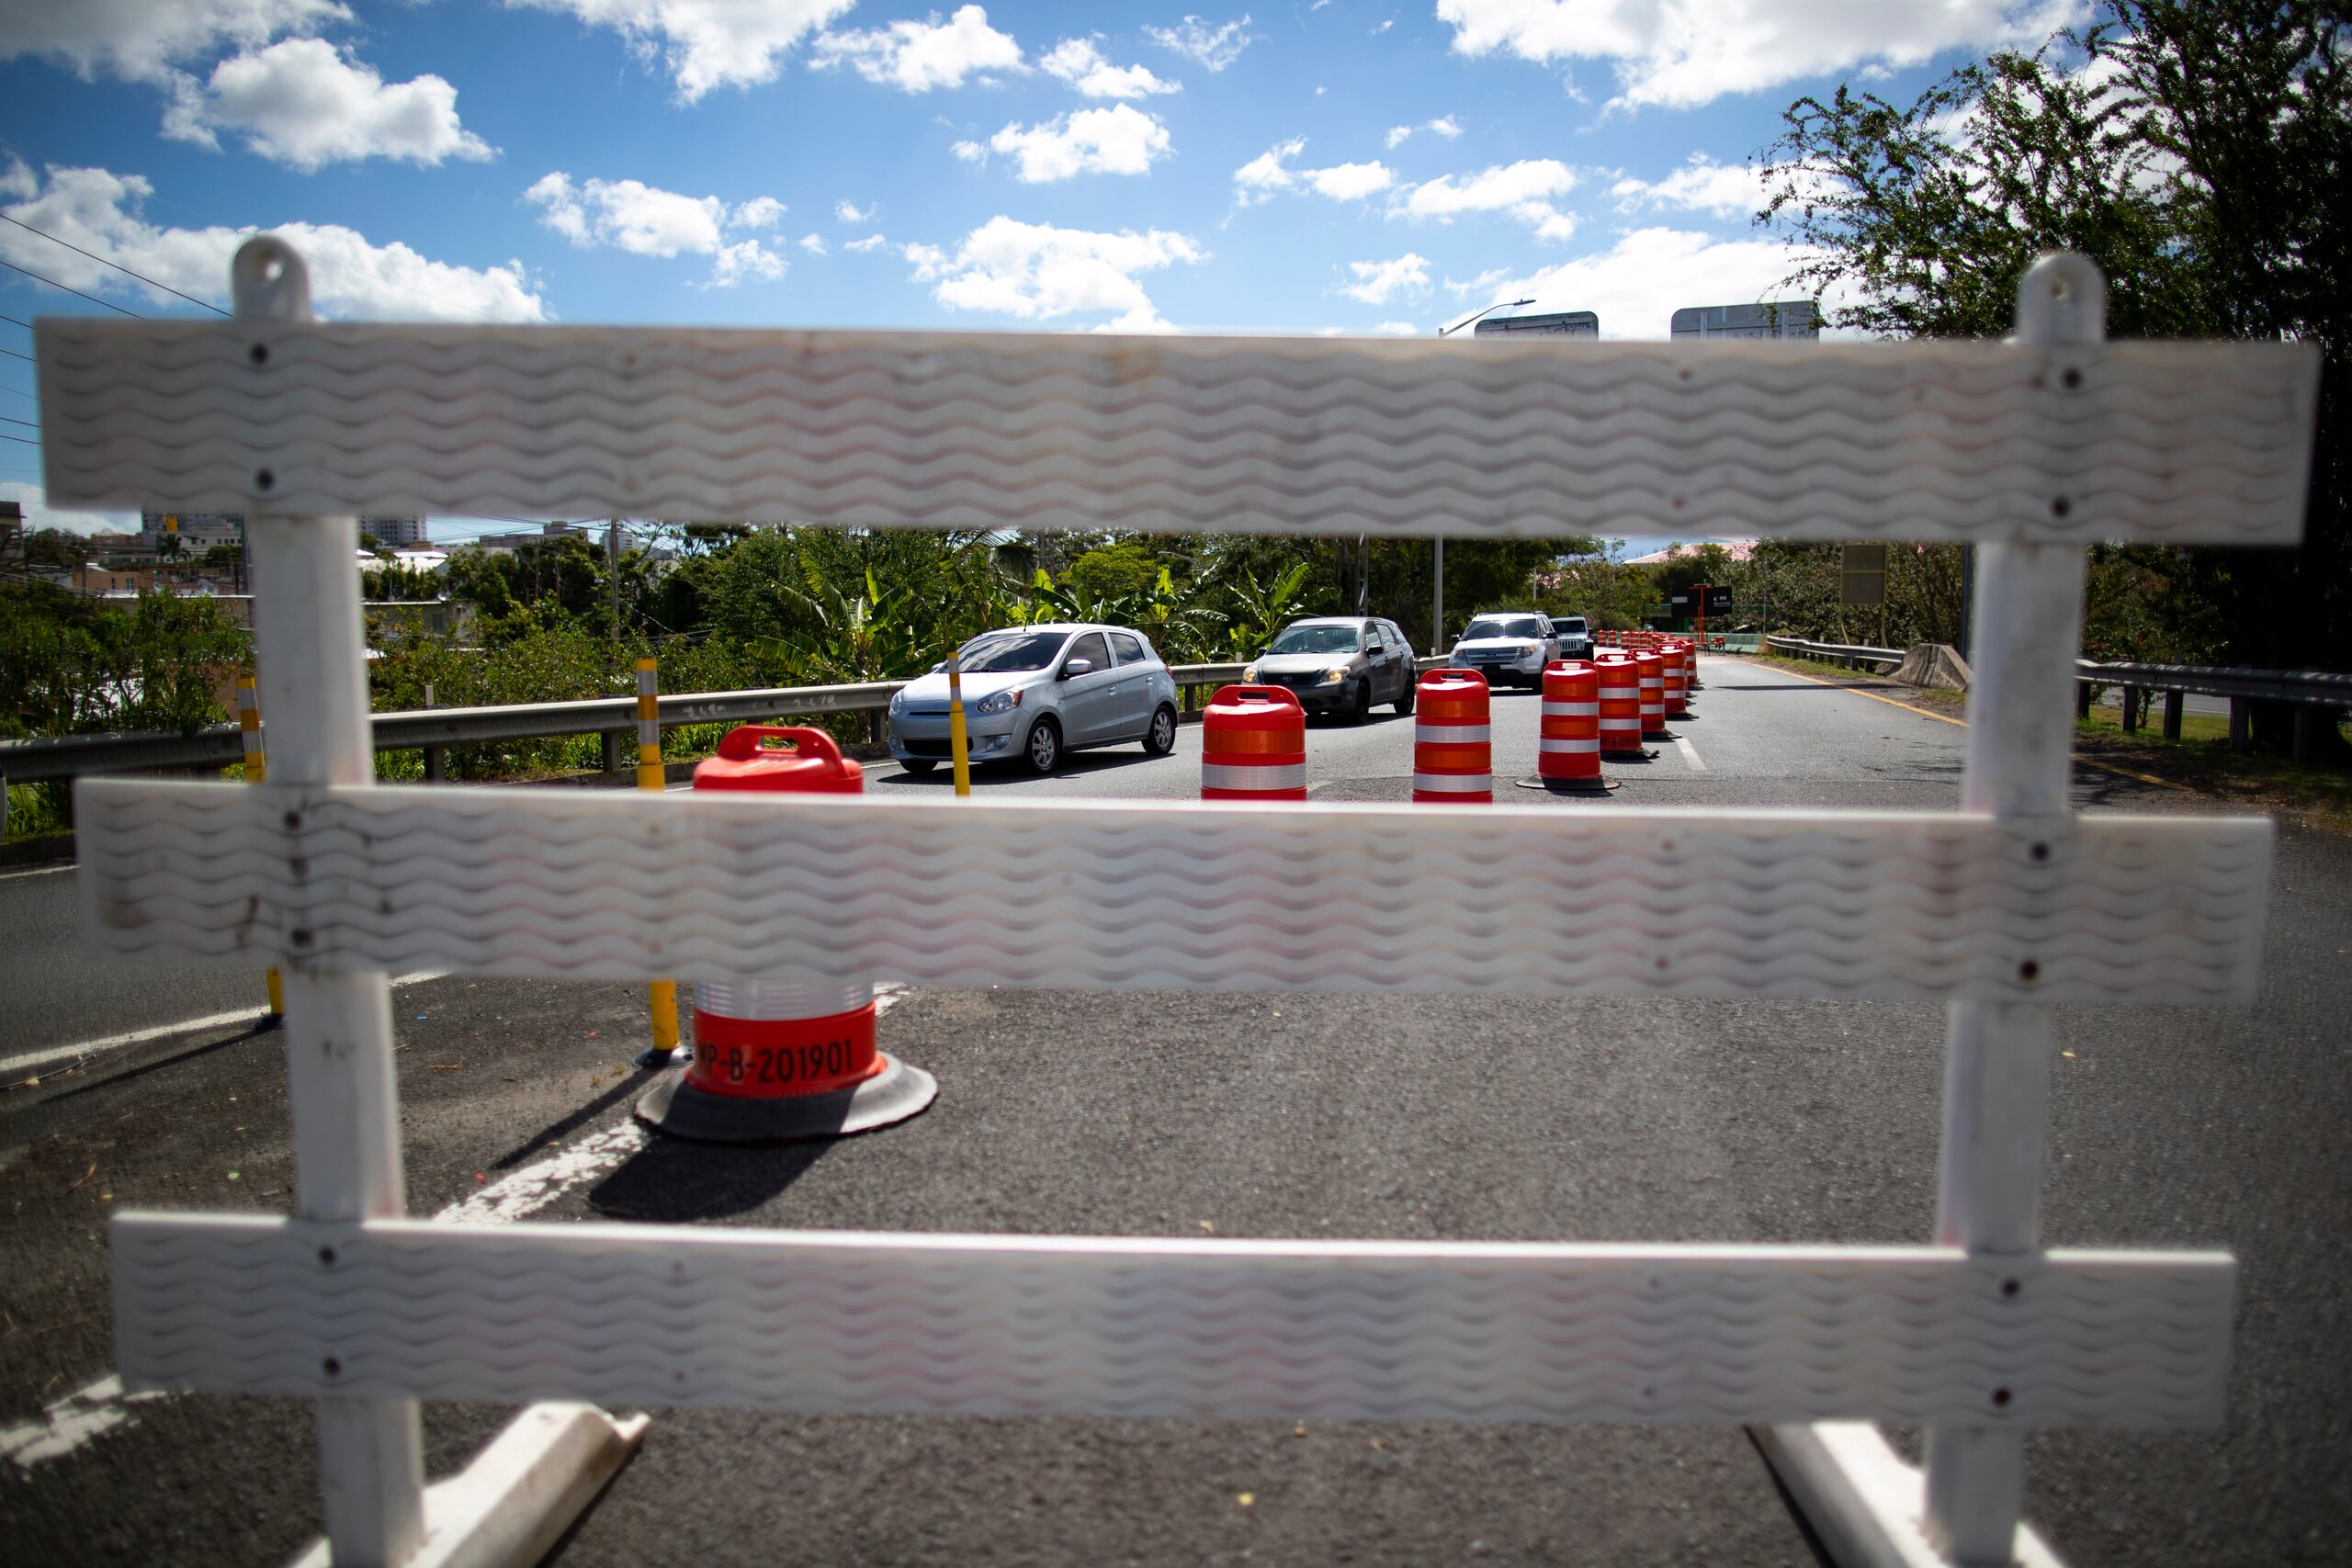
(892,1095)
(1569,786)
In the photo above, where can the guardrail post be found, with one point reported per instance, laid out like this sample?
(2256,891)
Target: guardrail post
(613,739)
(2171,715)
(2302,732)
(436,763)
(2130,710)
(2241,724)
(341,1089)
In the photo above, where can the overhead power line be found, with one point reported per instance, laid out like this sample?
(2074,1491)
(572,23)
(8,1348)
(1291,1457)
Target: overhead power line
(11,319)
(26,439)
(116,265)
(28,425)
(14,354)
(37,278)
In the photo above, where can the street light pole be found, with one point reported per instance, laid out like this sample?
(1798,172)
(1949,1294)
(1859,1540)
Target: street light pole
(1437,545)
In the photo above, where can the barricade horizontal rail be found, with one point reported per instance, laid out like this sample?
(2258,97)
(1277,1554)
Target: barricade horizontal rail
(817,1321)
(77,756)
(2183,443)
(1177,894)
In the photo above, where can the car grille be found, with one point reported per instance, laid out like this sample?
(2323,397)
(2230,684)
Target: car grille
(923,748)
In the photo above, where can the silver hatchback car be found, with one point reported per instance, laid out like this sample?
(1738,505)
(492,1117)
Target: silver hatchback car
(1032,693)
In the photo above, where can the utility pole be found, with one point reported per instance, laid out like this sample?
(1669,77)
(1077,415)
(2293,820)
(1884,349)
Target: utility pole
(1437,552)
(613,574)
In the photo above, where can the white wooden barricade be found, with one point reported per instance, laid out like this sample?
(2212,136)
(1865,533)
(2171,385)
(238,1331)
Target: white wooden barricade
(2028,449)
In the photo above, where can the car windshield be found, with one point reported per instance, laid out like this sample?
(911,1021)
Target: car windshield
(1501,626)
(1026,651)
(1317,639)
(1574,624)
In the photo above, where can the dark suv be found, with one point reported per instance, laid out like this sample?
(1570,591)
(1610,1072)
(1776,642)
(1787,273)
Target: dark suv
(1342,665)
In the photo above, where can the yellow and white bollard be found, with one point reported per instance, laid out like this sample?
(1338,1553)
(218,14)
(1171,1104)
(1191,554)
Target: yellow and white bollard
(663,993)
(258,771)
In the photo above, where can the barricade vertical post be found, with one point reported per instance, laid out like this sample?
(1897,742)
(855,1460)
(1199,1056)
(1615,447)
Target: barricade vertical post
(341,1087)
(1996,1064)
(662,994)
(258,771)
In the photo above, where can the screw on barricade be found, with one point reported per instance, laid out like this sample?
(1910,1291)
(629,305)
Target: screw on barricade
(661,995)
(1452,739)
(776,1061)
(1253,745)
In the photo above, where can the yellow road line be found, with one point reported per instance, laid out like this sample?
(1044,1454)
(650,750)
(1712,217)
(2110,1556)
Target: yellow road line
(1947,718)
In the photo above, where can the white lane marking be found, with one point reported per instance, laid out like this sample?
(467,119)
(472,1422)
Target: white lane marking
(1690,754)
(74,1420)
(524,1193)
(185,1026)
(39,871)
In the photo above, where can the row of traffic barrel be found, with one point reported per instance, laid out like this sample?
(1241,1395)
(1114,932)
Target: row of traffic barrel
(1254,740)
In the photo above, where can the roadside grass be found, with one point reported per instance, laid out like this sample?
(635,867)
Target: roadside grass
(2316,794)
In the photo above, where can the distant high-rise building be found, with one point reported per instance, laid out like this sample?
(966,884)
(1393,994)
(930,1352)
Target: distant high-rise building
(197,531)
(398,532)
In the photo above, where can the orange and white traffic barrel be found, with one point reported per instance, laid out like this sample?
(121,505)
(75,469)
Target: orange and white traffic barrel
(1453,756)
(1568,746)
(1253,745)
(1651,672)
(1620,681)
(775,1061)
(1674,673)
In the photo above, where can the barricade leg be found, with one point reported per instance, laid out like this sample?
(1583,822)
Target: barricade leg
(340,1084)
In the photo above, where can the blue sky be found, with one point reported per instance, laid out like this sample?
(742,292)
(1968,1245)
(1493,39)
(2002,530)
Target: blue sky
(1312,166)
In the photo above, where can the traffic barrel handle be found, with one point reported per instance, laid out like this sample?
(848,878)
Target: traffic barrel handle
(1279,695)
(746,741)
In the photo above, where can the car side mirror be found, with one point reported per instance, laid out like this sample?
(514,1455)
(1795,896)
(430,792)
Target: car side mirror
(1076,668)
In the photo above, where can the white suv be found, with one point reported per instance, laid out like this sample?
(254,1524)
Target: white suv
(1508,647)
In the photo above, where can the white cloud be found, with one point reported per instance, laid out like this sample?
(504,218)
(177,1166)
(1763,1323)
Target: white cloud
(1637,284)
(814,243)
(706,43)
(1259,179)
(350,277)
(850,212)
(1443,125)
(1378,282)
(646,221)
(747,261)
(1682,53)
(915,56)
(1726,190)
(1349,182)
(760,212)
(1524,189)
(142,39)
(1078,62)
(1383,26)
(1117,140)
(1397,329)
(1215,48)
(302,102)
(1037,272)
(859,247)
(33,499)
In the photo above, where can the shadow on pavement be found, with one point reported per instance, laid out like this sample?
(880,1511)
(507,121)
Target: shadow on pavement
(995,773)
(255,1033)
(537,1143)
(673,1181)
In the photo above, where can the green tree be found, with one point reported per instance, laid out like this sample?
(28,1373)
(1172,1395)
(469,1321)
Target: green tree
(2200,153)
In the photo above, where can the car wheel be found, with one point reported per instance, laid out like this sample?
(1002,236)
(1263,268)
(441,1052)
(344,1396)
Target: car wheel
(1405,697)
(1043,748)
(1360,704)
(1160,738)
(919,765)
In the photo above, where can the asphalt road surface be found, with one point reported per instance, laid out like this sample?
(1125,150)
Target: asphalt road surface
(1245,1116)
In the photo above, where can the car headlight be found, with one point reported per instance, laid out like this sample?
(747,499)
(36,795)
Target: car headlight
(1248,674)
(898,701)
(1332,677)
(1525,648)
(999,701)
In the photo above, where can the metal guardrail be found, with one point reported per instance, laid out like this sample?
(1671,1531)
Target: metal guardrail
(1852,653)
(2312,691)
(429,730)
